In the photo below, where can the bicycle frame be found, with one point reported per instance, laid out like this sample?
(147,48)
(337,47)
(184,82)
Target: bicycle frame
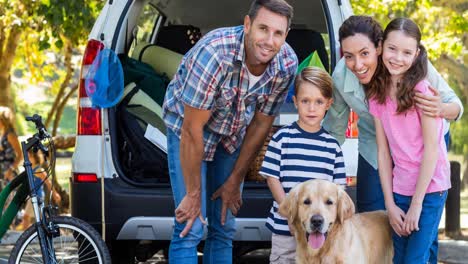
(6,218)
(44,237)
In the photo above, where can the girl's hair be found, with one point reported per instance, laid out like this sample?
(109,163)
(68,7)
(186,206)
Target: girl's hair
(365,25)
(316,76)
(7,119)
(378,87)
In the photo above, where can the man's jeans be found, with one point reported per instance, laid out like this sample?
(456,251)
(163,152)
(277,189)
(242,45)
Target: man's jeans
(218,243)
(415,248)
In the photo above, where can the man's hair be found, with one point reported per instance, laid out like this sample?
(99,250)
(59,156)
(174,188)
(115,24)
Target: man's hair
(317,77)
(280,7)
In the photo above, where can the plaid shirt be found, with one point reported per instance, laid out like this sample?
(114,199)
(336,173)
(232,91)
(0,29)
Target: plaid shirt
(213,76)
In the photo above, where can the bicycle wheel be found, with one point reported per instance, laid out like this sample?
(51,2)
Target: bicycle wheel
(78,242)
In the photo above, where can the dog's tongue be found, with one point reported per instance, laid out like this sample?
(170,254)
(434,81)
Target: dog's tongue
(316,240)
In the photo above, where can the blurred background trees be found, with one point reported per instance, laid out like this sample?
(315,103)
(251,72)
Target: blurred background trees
(41,41)
(444,26)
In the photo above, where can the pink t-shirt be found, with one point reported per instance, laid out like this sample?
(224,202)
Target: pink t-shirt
(405,139)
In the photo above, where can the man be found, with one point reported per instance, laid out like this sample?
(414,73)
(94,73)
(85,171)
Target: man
(219,110)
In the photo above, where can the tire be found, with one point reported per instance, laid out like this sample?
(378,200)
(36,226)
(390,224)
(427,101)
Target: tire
(77,240)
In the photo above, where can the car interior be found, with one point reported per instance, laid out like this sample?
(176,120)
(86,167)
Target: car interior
(164,30)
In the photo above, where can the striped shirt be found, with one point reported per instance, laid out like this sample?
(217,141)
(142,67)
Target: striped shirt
(294,156)
(213,76)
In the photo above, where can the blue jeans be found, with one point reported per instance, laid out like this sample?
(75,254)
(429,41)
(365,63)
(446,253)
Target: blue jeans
(435,243)
(369,193)
(218,243)
(416,247)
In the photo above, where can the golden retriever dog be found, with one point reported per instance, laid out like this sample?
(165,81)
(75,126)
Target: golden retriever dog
(328,232)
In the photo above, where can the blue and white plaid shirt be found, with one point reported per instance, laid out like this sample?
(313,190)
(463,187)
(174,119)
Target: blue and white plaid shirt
(213,76)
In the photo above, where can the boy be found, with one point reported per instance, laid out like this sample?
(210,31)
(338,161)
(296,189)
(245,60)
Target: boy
(300,152)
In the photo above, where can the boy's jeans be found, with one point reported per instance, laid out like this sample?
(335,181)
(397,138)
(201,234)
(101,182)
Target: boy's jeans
(218,243)
(415,248)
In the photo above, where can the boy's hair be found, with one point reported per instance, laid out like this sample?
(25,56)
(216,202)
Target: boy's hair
(364,25)
(316,76)
(378,87)
(280,7)
(7,119)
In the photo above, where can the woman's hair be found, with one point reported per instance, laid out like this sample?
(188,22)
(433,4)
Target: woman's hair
(364,25)
(7,119)
(316,76)
(378,86)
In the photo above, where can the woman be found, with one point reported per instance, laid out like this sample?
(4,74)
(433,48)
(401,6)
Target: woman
(10,149)
(361,43)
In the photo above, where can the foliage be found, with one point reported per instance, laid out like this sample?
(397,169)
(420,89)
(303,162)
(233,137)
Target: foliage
(444,26)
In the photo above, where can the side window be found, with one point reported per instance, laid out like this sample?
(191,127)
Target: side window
(146,24)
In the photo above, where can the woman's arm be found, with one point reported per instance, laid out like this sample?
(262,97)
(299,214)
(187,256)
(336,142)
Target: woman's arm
(431,152)
(336,119)
(444,103)
(14,142)
(395,214)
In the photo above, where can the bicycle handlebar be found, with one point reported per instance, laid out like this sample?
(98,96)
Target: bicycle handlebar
(37,119)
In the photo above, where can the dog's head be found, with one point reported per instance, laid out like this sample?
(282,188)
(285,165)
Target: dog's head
(313,207)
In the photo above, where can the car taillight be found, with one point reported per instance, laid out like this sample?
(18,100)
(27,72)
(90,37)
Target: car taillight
(88,118)
(85,177)
(351,181)
(352,131)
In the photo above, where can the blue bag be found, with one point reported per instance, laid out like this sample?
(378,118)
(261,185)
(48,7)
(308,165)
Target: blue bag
(104,82)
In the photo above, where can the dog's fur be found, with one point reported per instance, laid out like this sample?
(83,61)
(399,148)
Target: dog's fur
(350,238)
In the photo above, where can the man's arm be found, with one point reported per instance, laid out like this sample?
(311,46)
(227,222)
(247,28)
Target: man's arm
(254,138)
(191,156)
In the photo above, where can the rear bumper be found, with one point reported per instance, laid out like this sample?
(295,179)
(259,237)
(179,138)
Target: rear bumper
(147,213)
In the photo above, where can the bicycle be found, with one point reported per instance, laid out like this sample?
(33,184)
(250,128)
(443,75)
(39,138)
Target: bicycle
(51,239)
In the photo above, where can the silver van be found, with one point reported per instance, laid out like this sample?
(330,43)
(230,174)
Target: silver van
(134,210)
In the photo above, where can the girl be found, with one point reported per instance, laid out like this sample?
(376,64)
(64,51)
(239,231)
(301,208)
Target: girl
(415,188)
(10,149)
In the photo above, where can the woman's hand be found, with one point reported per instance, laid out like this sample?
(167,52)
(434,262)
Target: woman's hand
(396,217)
(431,105)
(411,222)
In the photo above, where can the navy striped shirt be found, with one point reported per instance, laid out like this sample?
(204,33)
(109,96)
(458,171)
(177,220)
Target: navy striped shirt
(294,156)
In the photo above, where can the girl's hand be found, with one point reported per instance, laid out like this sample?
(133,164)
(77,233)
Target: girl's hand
(431,105)
(396,216)
(412,218)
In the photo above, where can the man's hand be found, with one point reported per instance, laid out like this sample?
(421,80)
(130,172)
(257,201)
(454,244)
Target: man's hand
(431,105)
(187,211)
(231,198)
(411,222)
(396,217)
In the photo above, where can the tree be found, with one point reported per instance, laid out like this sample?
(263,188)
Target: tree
(70,25)
(50,31)
(444,26)
(15,17)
